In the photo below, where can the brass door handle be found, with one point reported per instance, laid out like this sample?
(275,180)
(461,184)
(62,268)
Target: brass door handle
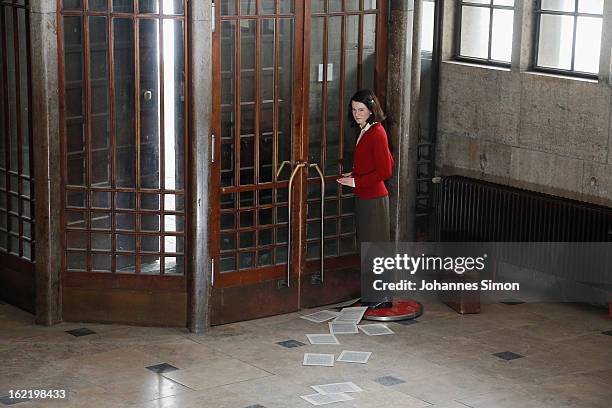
(296,169)
(278,172)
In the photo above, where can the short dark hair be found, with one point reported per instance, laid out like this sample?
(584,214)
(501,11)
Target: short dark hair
(369,99)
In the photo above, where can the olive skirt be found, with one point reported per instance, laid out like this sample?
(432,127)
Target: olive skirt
(373,219)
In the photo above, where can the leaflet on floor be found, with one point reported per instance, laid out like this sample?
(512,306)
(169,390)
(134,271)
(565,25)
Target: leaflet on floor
(360,357)
(347,303)
(342,328)
(351,314)
(322,339)
(377,329)
(313,359)
(323,399)
(336,388)
(320,317)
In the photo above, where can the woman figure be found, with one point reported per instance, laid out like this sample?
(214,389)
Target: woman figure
(372,165)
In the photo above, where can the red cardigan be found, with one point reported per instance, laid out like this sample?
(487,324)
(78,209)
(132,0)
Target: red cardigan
(372,163)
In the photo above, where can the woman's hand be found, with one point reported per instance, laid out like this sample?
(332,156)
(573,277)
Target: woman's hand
(349,174)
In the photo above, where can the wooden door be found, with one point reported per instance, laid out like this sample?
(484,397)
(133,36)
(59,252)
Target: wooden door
(124,135)
(275,104)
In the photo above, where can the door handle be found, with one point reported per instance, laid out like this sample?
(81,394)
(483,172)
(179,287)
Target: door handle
(318,169)
(296,169)
(283,164)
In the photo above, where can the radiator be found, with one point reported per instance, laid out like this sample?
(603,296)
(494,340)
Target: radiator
(478,211)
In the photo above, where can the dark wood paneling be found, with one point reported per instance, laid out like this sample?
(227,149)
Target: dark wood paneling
(339,285)
(146,308)
(252,301)
(17,283)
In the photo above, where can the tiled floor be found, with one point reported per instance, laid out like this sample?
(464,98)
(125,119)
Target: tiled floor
(444,361)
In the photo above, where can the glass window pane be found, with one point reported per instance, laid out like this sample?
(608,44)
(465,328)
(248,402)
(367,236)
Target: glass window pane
(23,93)
(100,220)
(75,219)
(97,5)
(475,32)
(427,27)
(126,263)
(559,5)
(588,44)
(246,259)
(72,4)
(125,153)
(76,240)
(286,6)
(369,4)
(76,261)
(149,223)
(101,263)
(149,202)
(228,7)
(334,52)
(267,6)
(228,242)
(126,201)
(125,243)
(124,6)
(149,104)
(126,222)
(148,6)
(555,41)
(504,3)
(101,242)
(285,91)
(74,94)
(334,6)
(100,199)
(174,223)
(501,37)
(75,199)
(149,243)
(174,7)
(247,239)
(591,6)
(369,50)
(265,237)
(149,265)
(174,104)
(228,264)
(248,7)
(174,265)
(264,257)
(100,126)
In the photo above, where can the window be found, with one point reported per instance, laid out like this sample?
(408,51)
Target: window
(569,35)
(486,30)
(427,25)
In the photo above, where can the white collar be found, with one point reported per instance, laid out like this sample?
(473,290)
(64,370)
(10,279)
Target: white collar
(363,130)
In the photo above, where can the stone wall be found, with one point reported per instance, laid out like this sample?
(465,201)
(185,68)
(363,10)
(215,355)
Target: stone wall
(527,129)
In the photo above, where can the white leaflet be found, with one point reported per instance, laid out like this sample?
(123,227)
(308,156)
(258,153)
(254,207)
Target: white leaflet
(313,359)
(360,357)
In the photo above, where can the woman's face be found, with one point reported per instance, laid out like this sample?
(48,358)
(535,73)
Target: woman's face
(361,113)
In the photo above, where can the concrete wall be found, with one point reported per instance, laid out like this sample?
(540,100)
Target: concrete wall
(526,129)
